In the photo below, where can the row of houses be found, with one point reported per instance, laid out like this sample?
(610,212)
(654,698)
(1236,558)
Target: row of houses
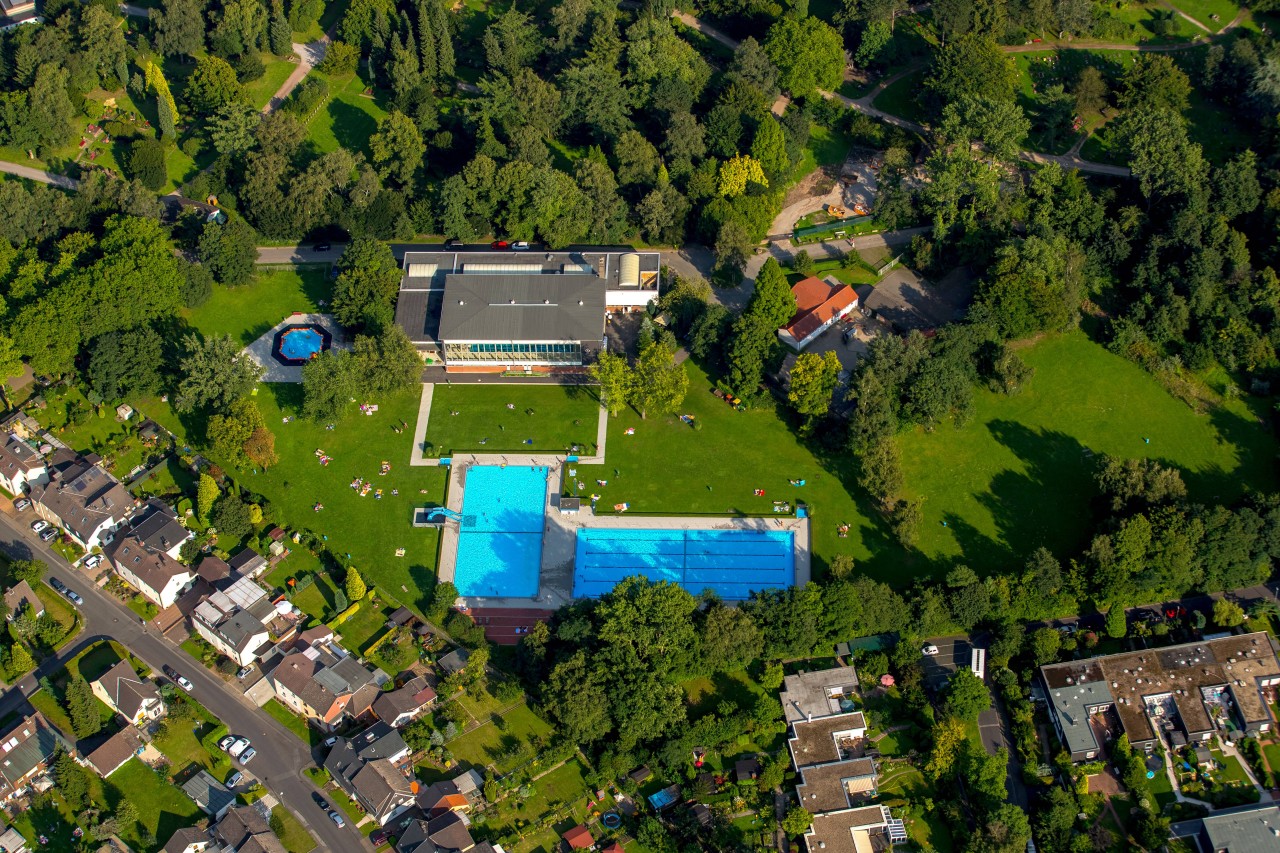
(242,829)
(837,776)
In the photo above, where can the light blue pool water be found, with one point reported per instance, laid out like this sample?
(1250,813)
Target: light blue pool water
(500,537)
(301,343)
(734,563)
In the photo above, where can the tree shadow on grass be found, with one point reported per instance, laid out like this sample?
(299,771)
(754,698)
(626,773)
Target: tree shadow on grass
(352,126)
(1254,440)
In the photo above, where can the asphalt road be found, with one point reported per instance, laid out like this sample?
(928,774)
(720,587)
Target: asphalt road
(281,756)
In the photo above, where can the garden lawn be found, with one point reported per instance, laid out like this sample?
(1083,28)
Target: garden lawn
(490,744)
(261,90)
(704,694)
(181,743)
(361,531)
(1020,475)
(668,467)
(1272,753)
(57,606)
(560,794)
(247,312)
(899,97)
(1204,10)
(1231,770)
(348,119)
(291,721)
(366,624)
(292,835)
(162,808)
(563,415)
(1161,790)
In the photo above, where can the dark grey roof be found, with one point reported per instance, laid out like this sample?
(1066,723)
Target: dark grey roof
(523,308)
(1256,830)
(378,741)
(240,824)
(208,793)
(184,838)
(160,528)
(27,746)
(128,690)
(418,313)
(454,661)
(450,831)
(413,695)
(83,496)
(413,837)
(246,561)
(22,593)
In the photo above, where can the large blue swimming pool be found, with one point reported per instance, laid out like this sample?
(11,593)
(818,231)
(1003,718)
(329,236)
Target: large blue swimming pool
(734,563)
(500,537)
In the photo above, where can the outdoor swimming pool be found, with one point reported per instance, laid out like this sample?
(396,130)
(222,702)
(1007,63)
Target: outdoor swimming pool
(734,563)
(297,344)
(500,537)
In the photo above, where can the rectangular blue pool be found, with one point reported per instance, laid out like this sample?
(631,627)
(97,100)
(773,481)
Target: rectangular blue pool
(734,563)
(500,537)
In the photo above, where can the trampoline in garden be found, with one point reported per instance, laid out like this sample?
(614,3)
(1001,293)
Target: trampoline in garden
(297,344)
(611,820)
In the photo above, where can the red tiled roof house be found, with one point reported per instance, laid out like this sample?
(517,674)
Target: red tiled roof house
(818,305)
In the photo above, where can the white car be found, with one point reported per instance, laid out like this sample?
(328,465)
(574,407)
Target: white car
(39,524)
(226,742)
(92,561)
(185,683)
(238,747)
(929,649)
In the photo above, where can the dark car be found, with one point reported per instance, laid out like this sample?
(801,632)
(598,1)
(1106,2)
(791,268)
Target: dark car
(58,585)
(499,244)
(321,801)
(382,836)
(453,243)
(323,247)
(170,671)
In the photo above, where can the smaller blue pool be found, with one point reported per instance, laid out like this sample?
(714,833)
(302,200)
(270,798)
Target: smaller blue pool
(734,563)
(500,536)
(300,343)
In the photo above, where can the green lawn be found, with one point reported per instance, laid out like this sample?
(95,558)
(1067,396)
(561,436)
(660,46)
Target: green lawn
(347,120)
(494,744)
(58,607)
(261,90)
(1272,753)
(291,721)
(1230,771)
(899,97)
(1020,474)
(1161,789)
(246,312)
(46,703)
(162,808)
(293,835)
(181,742)
(559,798)
(367,622)
(562,416)
(1204,10)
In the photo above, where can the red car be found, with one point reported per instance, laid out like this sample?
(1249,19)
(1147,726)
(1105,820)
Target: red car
(499,244)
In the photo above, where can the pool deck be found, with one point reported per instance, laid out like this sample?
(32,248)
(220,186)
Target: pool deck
(560,533)
(274,371)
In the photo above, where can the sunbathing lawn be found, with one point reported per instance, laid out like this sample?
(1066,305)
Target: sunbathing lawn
(162,808)
(1020,475)
(1231,770)
(293,835)
(562,417)
(261,90)
(58,607)
(248,311)
(484,747)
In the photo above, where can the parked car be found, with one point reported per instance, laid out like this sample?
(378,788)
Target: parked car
(331,741)
(243,671)
(39,524)
(93,561)
(226,742)
(453,243)
(929,649)
(57,585)
(323,247)
(377,839)
(321,801)
(520,246)
(74,596)
(234,779)
(247,755)
(240,745)
(170,671)
(49,534)
(337,818)
(500,244)
(22,504)
(185,683)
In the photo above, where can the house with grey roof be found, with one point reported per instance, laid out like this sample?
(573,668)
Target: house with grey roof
(213,798)
(370,776)
(401,706)
(322,682)
(247,563)
(245,829)
(231,620)
(130,695)
(20,465)
(1252,828)
(82,498)
(25,752)
(11,841)
(189,839)
(158,528)
(18,596)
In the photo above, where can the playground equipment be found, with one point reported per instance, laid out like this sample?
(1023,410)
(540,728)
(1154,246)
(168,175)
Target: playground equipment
(443,512)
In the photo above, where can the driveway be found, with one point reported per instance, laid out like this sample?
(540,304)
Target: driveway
(281,756)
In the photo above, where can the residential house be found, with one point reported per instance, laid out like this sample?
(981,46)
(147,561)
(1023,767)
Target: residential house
(323,683)
(1246,829)
(214,570)
(401,706)
(248,563)
(578,838)
(231,620)
(819,304)
(447,833)
(20,465)
(459,794)
(379,741)
(360,767)
(158,528)
(189,839)
(82,498)
(213,798)
(244,829)
(746,770)
(115,751)
(1196,687)
(820,693)
(453,662)
(18,595)
(11,841)
(25,751)
(133,697)
(854,831)
(155,574)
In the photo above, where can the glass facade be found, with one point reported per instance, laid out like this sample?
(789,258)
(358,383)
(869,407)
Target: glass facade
(513,353)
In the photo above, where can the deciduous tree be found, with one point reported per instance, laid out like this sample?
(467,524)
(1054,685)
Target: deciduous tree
(613,373)
(813,381)
(659,384)
(808,53)
(396,148)
(215,373)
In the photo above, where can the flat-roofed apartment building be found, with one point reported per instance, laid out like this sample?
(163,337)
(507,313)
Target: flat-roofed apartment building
(1192,688)
(492,312)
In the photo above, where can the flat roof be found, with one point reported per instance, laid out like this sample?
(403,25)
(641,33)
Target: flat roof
(816,694)
(425,269)
(521,307)
(1180,673)
(823,786)
(834,832)
(815,742)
